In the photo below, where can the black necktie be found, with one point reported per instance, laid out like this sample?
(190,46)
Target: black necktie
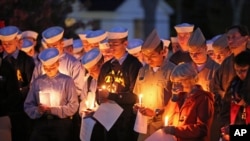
(10,59)
(116,65)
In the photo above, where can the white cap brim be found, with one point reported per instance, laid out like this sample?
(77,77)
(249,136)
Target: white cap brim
(82,36)
(76,50)
(184,29)
(54,39)
(8,37)
(93,62)
(104,45)
(97,39)
(50,61)
(68,42)
(134,50)
(117,35)
(31,34)
(26,49)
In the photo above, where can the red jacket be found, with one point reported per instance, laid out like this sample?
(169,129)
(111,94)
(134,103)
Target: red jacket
(234,111)
(193,118)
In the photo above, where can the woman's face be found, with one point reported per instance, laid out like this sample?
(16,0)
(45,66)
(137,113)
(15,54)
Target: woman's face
(241,71)
(181,85)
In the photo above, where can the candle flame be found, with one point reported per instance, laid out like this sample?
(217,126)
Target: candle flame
(103,87)
(87,104)
(166,121)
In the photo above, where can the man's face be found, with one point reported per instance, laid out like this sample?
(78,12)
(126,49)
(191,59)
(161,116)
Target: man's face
(235,39)
(10,46)
(221,55)
(198,54)
(95,70)
(51,70)
(183,38)
(107,54)
(118,47)
(241,71)
(154,59)
(86,45)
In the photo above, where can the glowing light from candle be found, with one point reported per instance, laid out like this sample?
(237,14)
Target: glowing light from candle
(166,121)
(87,104)
(103,87)
(140,99)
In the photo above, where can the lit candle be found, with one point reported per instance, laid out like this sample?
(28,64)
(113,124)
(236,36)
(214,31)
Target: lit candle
(140,99)
(166,121)
(87,104)
(103,87)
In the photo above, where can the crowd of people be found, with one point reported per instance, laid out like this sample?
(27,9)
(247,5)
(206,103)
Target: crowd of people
(189,87)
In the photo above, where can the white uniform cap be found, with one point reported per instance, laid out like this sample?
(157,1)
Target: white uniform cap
(184,28)
(134,46)
(117,33)
(96,36)
(197,39)
(151,43)
(216,37)
(165,42)
(104,45)
(44,44)
(29,34)
(209,44)
(77,45)
(67,42)
(220,42)
(53,34)
(8,33)
(83,34)
(174,39)
(27,45)
(91,58)
(19,35)
(49,56)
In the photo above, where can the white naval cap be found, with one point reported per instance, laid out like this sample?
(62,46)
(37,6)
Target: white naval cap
(184,28)
(8,33)
(104,45)
(19,34)
(53,34)
(117,32)
(220,42)
(49,56)
(165,42)
(82,35)
(134,46)
(67,42)
(96,36)
(174,39)
(197,39)
(29,34)
(151,43)
(209,44)
(27,45)
(77,45)
(44,43)
(91,57)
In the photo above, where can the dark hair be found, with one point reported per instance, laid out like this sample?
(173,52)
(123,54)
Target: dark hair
(242,59)
(243,30)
